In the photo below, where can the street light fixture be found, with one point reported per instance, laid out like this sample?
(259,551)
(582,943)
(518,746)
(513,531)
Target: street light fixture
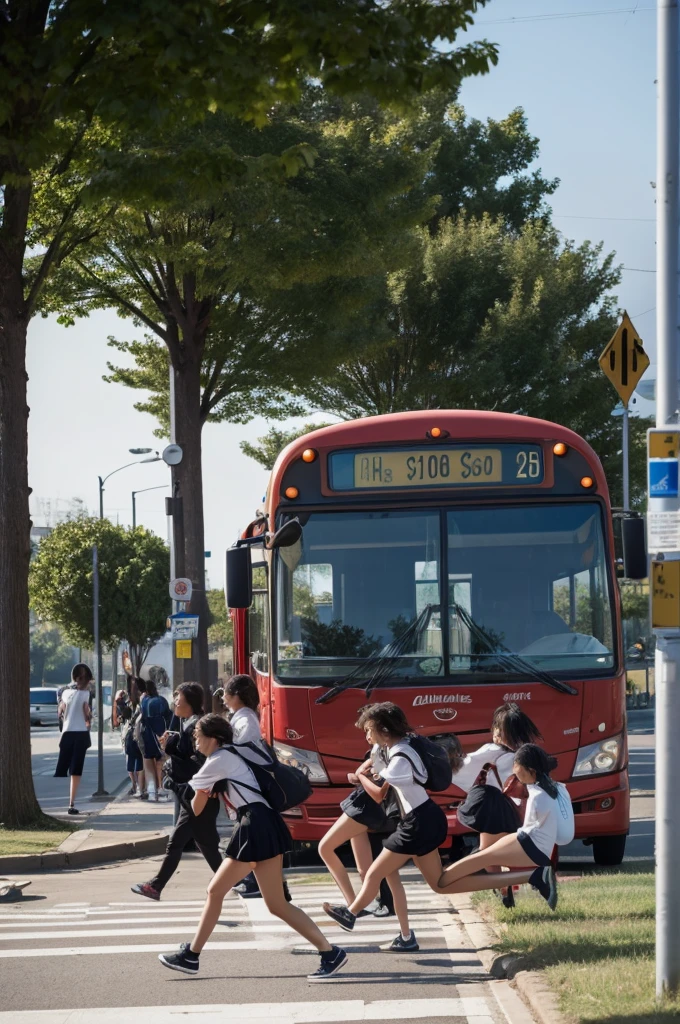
(160,487)
(138,462)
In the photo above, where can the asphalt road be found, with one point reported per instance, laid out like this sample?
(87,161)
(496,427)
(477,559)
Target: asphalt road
(81,941)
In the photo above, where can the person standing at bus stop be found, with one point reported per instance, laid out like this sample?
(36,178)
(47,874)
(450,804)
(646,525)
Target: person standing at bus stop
(75,736)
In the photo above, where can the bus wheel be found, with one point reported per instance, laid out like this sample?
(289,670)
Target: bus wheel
(609,850)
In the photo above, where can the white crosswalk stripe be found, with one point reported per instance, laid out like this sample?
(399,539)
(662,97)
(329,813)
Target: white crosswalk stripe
(141,927)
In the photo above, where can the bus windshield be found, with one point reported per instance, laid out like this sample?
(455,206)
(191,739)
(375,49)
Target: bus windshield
(446,593)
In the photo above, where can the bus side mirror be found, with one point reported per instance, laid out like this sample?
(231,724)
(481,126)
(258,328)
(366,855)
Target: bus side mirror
(286,535)
(238,579)
(634,549)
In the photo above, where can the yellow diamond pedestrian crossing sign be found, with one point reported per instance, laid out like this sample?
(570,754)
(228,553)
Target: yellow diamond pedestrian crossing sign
(624,360)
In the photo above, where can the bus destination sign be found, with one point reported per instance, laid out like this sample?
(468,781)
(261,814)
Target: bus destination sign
(510,465)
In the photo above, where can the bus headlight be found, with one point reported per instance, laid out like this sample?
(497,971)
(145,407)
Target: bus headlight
(306,760)
(597,758)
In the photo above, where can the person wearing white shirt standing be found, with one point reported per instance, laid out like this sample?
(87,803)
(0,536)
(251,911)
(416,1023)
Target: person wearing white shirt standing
(548,823)
(259,841)
(75,736)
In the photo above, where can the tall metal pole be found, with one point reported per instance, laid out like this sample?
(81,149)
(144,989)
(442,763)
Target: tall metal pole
(100,693)
(626,470)
(101,498)
(134,510)
(668,640)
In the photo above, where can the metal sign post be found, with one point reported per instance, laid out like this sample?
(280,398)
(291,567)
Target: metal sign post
(101,791)
(665,580)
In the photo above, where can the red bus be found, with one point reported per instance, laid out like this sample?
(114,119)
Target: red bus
(448,561)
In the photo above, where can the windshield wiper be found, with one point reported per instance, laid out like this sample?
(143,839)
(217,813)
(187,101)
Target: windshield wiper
(506,658)
(382,661)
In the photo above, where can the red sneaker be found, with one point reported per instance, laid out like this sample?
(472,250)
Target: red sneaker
(144,889)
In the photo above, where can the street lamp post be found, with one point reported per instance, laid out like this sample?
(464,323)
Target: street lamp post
(160,487)
(101,791)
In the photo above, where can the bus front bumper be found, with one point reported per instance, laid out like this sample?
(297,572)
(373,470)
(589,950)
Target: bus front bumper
(601,808)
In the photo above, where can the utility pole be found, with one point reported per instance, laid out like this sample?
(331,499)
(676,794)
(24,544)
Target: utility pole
(101,791)
(667,665)
(626,460)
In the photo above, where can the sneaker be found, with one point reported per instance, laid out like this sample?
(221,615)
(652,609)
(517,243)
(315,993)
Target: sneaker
(341,915)
(383,911)
(248,888)
(144,889)
(184,960)
(402,945)
(371,909)
(545,880)
(331,963)
(507,897)
(73,810)
(286,892)
(144,795)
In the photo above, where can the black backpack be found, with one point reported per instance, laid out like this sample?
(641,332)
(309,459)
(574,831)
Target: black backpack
(281,785)
(435,761)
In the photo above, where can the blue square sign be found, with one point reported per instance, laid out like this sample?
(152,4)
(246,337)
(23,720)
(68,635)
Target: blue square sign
(663,478)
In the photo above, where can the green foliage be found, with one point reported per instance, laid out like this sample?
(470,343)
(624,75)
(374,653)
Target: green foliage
(133,584)
(270,446)
(336,640)
(221,629)
(634,601)
(488,317)
(51,656)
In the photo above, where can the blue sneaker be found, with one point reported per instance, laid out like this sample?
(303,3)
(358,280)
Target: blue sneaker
(331,963)
(545,880)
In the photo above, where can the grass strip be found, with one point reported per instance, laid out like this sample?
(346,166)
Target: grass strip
(597,950)
(16,841)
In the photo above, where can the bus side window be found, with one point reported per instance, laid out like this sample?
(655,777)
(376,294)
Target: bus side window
(258,621)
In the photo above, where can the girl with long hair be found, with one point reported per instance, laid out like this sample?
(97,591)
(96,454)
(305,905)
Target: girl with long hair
(258,842)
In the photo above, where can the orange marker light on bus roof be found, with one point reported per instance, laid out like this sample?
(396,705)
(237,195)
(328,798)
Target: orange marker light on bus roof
(587,481)
(291,492)
(560,448)
(309,455)
(436,432)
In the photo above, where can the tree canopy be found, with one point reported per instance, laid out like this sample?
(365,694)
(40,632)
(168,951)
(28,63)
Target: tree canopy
(134,568)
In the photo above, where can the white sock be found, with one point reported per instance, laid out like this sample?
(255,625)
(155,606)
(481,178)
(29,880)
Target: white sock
(406,937)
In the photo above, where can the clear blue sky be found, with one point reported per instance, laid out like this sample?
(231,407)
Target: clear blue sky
(587,86)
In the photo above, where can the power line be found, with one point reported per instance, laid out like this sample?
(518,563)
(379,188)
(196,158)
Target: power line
(638,270)
(562,16)
(636,316)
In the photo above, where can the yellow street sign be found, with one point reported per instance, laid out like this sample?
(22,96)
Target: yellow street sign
(183,648)
(624,360)
(665,579)
(664,444)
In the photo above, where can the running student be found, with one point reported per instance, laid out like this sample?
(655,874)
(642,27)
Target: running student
(362,814)
(494,818)
(242,699)
(423,826)
(548,822)
(259,841)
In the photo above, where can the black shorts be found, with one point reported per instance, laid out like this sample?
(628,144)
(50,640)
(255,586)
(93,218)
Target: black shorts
(531,850)
(261,834)
(419,832)
(72,749)
(363,809)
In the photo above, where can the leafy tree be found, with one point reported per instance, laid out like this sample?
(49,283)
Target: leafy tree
(50,655)
(270,446)
(221,629)
(75,76)
(488,317)
(336,640)
(134,568)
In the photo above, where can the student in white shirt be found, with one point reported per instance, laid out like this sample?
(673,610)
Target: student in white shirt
(259,841)
(241,697)
(423,826)
(548,823)
(361,814)
(75,735)
(488,814)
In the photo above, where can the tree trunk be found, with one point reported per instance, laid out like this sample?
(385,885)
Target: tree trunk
(189,475)
(18,804)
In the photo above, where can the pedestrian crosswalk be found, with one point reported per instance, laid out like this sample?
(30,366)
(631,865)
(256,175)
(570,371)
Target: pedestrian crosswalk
(453,987)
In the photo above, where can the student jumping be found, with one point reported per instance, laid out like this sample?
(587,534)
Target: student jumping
(548,822)
(259,841)
(361,815)
(423,826)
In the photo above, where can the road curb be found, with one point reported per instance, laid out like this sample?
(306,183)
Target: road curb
(29,863)
(512,967)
